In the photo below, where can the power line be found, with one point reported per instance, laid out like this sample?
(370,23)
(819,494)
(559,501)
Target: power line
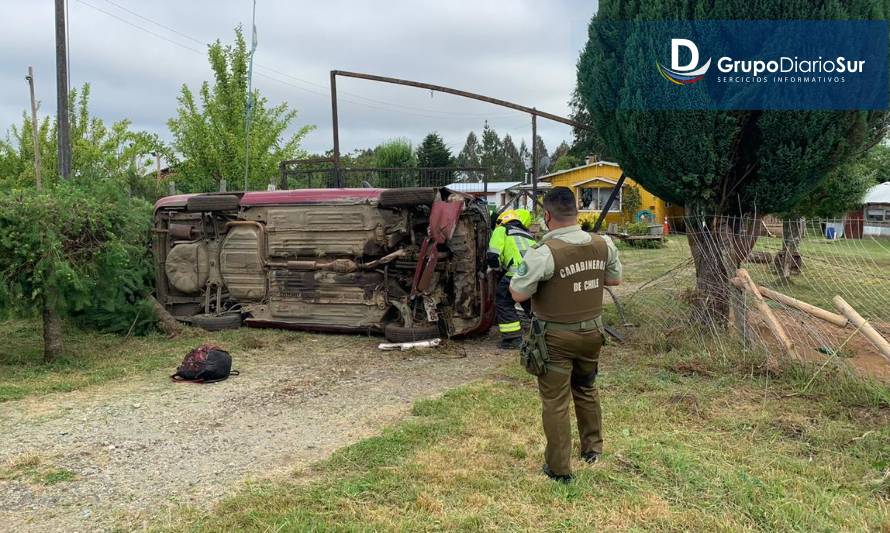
(146,30)
(301,80)
(261,74)
(156,23)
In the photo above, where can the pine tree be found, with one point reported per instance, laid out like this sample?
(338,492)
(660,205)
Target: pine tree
(542,153)
(559,152)
(492,153)
(514,168)
(469,157)
(433,154)
(719,164)
(526,157)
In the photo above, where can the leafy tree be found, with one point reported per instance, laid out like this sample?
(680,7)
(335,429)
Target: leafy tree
(395,153)
(211,135)
(877,161)
(840,192)
(565,162)
(716,163)
(97,149)
(631,201)
(79,249)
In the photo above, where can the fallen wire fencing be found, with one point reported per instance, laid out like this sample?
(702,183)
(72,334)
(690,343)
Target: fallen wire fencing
(790,290)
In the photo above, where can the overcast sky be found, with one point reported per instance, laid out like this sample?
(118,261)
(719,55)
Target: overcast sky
(519,50)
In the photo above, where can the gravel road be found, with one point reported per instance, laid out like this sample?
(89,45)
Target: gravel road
(139,449)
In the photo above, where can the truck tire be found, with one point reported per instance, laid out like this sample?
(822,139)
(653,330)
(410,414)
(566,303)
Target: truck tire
(396,333)
(216,323)
(213,202)
(408,197)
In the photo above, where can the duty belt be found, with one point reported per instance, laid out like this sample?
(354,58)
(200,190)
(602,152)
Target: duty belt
(584,325)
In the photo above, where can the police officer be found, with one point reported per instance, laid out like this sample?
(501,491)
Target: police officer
(564,277)
(508,244)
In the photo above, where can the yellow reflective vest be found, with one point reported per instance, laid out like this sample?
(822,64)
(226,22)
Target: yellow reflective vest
(510,244)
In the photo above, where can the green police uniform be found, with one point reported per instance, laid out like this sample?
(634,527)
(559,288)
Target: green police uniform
(565,276)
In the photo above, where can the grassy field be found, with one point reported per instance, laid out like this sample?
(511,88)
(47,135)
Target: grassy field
(691,444)
(93,359)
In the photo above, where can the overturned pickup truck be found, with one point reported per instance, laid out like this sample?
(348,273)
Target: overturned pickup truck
(408,263)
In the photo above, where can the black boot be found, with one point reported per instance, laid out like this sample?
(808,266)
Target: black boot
(510,343)
(561,478)
(590,457)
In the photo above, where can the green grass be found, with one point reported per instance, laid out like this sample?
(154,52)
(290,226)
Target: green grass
(32,469)
(92,359)
(643,264)
(691,444)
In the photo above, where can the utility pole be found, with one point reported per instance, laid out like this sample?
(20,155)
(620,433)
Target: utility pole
(64,140)
(157,155)
(34,126)
(250,101)
(336,122)
(534,159)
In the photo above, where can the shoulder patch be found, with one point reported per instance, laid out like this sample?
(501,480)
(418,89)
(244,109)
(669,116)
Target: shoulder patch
(523,269)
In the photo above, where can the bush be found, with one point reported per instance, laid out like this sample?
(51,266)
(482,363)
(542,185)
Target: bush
(641,228)
(637,228)
(80,248)
(587,222)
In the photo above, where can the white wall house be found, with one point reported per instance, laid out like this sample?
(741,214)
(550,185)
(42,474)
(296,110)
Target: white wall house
(496,193)
(877,211)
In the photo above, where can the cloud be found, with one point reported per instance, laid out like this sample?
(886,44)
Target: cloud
(521,50)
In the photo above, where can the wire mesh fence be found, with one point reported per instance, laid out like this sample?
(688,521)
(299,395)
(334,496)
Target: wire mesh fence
(690,289)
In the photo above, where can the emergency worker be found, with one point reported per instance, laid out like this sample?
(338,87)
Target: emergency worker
(508,244)
(563,276)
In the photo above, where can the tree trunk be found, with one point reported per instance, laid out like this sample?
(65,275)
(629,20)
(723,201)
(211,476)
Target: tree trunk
(166,321)
(52,334)
(789,261)
(718,246)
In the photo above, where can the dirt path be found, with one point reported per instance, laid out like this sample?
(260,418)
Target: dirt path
(138,449)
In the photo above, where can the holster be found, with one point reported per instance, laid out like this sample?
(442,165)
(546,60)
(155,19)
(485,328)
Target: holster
(533,353)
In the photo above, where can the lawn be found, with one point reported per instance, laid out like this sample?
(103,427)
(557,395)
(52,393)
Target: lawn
(93,359)
(691,444)
(856,269)
(693,441)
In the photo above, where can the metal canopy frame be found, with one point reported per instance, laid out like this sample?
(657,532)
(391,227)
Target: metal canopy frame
(535,113)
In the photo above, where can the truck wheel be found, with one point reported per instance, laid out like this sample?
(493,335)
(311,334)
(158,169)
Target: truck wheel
(213,202)
(216,323)
(395,333)
(408,197)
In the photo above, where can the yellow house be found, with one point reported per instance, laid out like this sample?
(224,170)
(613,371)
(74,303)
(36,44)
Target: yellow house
(592,184)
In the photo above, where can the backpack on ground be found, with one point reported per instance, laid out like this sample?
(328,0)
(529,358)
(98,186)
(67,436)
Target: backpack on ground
(205,364)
